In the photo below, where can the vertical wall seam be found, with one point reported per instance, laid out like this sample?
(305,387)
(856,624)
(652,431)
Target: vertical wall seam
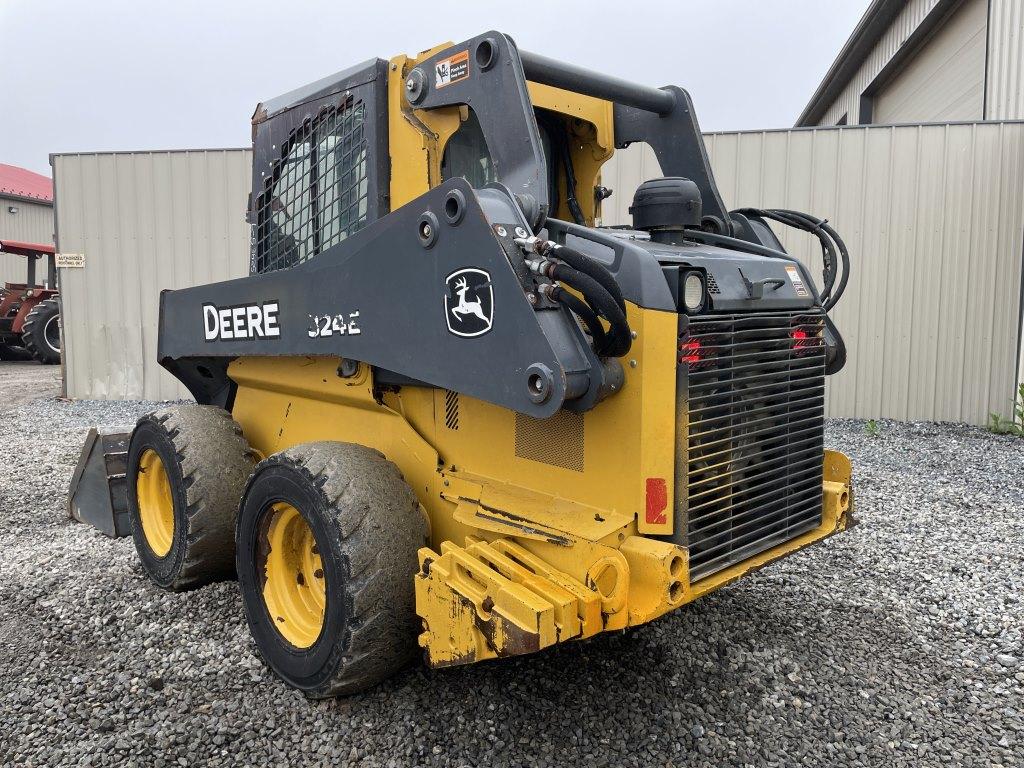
(967,277)
(994,289)
(988,46)
(942,265)
(1019,379)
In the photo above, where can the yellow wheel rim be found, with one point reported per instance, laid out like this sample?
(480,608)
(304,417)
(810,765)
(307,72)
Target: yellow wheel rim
(295,591)
(156,505)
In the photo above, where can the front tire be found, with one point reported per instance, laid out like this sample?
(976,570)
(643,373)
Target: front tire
(41,332)
(187,469)
(327,541)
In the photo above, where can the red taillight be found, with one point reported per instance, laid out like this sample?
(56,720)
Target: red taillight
(691,352)
(804,340)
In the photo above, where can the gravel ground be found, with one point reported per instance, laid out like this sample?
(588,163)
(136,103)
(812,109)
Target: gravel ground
(899,643)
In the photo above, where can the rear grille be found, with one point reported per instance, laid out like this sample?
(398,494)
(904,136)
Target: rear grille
(755,388)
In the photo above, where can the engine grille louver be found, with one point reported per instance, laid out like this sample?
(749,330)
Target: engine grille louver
(756,398)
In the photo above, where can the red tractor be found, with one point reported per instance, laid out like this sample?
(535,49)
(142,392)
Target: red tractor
(29,313)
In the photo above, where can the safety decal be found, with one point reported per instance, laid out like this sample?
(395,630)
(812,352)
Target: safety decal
(241,322)
(452,70)
(797,281)
(469,302)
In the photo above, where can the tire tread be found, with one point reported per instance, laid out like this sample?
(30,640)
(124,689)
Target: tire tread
(216,462)
(31,336)
(380,528)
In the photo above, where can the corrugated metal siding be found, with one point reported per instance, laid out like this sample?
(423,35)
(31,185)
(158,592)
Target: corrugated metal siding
(1006,60)
(908,20)
(33,223)
(1004,98)
(944,81)
(934,219)
(145,222)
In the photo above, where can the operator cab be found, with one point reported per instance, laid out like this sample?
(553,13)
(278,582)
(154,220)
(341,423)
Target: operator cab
(466,154)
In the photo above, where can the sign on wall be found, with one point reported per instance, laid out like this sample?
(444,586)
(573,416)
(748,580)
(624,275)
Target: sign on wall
(70,260)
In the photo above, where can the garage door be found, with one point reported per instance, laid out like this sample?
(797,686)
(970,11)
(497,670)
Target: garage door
(945,79)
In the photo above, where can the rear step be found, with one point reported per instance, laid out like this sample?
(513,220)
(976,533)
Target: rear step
(97,495)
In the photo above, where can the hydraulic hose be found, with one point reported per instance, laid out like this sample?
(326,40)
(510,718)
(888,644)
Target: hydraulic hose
(844,253)
(834,252)
(602,296)
(810,224)
(580,261)
(737,244)
(618,338)
(585,313)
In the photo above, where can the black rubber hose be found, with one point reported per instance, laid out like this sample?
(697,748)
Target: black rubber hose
(844,255)
(585,313)
(833,250)
(737,244)
(806,223)
(618,336)
(570,184)
(828,250)
(580,261)
(556,133)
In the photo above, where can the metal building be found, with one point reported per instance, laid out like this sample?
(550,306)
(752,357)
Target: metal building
(144,221)
(916,61)
(26,215)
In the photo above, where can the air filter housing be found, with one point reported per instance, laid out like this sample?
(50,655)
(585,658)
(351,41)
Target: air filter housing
(665,207)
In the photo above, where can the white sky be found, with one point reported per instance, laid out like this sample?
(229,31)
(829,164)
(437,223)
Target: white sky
(137,74)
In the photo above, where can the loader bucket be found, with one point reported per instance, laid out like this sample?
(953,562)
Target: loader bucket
(97,495)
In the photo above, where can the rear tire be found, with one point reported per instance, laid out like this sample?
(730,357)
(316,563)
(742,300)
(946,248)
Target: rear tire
(327,541)
(41,332)
(187,469)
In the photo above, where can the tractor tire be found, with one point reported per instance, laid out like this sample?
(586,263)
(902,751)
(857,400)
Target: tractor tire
(187,469)
(11,354)
(327,540)
(41,332)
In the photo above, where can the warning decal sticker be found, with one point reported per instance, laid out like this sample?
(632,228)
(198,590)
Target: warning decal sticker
(452,69)
(797,281)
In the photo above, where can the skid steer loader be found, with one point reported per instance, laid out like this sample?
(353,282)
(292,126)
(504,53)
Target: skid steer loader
(448,411)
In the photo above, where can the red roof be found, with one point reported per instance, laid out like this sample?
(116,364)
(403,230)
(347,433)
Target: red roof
(25,249)
(22,182)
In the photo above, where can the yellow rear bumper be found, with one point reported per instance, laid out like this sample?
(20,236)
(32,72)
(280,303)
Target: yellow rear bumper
(505,595)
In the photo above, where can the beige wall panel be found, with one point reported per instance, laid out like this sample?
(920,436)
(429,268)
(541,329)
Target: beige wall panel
(145,222)
(934,219)
(33,223)
(945,79)
(1006,60)
(13,269)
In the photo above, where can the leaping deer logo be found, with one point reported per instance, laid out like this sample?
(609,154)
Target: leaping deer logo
(466,307)
(469,302)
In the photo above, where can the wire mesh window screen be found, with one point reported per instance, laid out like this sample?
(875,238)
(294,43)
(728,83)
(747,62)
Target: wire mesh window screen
(318,192)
